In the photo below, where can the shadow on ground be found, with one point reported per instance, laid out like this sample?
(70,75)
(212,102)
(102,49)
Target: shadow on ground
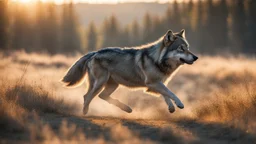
(118,130)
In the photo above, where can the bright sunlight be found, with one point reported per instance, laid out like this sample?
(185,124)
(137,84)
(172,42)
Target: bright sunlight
(24,1)
(95,1)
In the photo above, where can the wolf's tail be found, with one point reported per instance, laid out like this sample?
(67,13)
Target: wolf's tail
(76,73)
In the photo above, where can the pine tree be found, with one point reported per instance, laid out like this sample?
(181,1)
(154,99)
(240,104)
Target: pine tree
(201,28)
(207,26)
(251,43)
(124,38)
(211,27)
(135,33)
(92,38)
(105,31)
(147,28)
(50,35)
(70,38)
(3,24)
(39,26)
(176,23)
(158,28)
(191,15)
(111,32)
(217,25)
(191,24)
(20,28)
(238,26)
(168,18)
(222,30)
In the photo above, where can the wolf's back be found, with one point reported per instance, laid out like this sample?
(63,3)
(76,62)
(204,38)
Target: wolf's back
(76,73)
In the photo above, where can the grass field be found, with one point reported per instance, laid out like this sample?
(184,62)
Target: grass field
(219,96)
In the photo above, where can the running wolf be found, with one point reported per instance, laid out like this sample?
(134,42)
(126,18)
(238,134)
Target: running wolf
(148,66)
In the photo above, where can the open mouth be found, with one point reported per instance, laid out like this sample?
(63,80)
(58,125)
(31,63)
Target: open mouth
(187,62)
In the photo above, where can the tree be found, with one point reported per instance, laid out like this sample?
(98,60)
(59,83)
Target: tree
(200,29)
(135,33)
(168,18)
(39,27)
(206,26)
(176,23)
(217,25)
(158,28)
(222,31)
(124,38)
(50,34)
(147,28)
(191,23)
(92,38)
(70,38)
(211,26)
(3,24)
(251,48)
(173,17)
(111,31)
(190,14)
(238,26)
(20,28)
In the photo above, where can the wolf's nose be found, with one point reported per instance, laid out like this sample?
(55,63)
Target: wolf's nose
(195,58)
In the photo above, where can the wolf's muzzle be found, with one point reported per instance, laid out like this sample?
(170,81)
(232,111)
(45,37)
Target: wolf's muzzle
(195,57)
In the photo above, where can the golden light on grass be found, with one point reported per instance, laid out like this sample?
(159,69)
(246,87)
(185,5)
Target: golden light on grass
(218,93)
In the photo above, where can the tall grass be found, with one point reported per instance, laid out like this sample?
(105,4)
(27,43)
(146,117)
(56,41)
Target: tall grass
(234,105)
(18,100)
(214,89)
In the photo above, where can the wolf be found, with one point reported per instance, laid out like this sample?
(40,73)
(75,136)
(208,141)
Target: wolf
(148,66)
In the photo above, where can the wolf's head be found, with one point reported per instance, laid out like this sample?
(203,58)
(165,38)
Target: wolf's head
(176,48)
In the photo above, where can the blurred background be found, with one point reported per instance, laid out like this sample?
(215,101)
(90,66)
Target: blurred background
(68,27)
(40,39)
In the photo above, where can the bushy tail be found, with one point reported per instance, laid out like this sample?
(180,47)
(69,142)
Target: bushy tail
(76,73)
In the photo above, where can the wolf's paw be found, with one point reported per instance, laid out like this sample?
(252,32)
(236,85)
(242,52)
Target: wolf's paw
(85,110)
(126,109)
(171,109)
(179,105)
(129,110)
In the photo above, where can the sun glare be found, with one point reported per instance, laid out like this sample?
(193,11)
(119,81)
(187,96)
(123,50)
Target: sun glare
(24,1)
(96,1)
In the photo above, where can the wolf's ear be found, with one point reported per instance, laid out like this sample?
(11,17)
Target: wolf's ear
(182,33)
(168,37)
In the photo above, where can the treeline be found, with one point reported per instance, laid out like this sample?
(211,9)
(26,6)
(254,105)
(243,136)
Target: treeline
(212,26)
(38,26)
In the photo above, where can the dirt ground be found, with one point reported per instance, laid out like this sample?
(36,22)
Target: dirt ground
(119,130)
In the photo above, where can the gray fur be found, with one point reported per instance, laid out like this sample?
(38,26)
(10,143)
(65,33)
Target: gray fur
(147,66)
(76,73)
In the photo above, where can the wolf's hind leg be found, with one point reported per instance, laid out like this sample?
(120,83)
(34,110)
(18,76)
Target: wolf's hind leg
(95,87)
(110,87)
(91,82)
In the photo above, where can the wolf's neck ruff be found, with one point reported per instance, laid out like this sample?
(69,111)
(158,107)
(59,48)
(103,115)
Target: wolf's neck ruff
(155,52)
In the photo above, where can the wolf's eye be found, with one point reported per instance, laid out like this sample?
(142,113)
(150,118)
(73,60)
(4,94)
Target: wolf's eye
(180,49)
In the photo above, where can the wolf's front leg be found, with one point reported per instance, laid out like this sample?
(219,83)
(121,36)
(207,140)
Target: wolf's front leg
(171,107)
(159,87)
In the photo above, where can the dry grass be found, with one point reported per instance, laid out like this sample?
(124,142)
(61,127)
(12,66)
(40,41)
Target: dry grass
(37,99)
(20,103)
(18,100)
(214,90)
(235,105)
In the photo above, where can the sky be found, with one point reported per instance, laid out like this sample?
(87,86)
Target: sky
(96,1)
